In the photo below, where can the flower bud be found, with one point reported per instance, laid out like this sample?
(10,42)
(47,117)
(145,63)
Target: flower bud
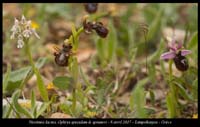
(91,7)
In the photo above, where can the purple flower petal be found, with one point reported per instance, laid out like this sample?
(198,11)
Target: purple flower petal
(180,45)
(168,55)
(172,48)
(172,45)
(173,42)
(185,52)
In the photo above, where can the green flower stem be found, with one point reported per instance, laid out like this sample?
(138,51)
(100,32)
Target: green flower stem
(97,16)
(74,66)
(80,30)
(40,83)
(74,99)
(72,39)
(173,91)
(74,72)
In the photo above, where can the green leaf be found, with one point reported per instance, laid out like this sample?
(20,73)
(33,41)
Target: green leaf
(23,74)
(18,108)
(194,41)
(63,82)
(101,87)
(74,37)
(33,104)
(112,41)
(66,107)
(41,86)
(195,89)
(33,100)
(132,48)
(183,91)
(156,55)
(6,78)
(80,95)
(19,74)
(155,25)
(6,110)
(43,107)
(12,86)
(40,83)
(137,99)
(100,45)
(152,96)
(190,75)
(40,62)
(152,72)
(163,71)
(170,105)
(85,78)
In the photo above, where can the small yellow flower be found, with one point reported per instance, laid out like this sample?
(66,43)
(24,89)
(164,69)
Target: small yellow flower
(26,104)
(50,86)
(195,116)
(90,114)
(34,25)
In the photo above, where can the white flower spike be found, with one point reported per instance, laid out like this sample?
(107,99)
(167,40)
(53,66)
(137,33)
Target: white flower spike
(22,30)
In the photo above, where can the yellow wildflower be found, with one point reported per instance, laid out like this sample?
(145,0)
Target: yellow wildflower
(50,86)
(34,25)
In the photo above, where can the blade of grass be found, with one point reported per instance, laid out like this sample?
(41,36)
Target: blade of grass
(112,42)
(6,78)
(137,99)
(18,108)
(40,83)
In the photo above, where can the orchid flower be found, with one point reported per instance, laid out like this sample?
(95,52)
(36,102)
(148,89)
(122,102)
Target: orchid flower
(21,30)
(177,53)
(174,50)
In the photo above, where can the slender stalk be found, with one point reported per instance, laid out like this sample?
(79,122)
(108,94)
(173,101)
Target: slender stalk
(72,39)
(74,71)
(40,82)
(173,91)
(80,30)
(95,17)
(74,64)
(74,99)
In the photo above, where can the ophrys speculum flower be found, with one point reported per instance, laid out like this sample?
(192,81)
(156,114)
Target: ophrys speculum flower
(177,53)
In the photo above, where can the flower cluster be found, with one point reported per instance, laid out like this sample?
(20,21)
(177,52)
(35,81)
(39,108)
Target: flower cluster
(22,30)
